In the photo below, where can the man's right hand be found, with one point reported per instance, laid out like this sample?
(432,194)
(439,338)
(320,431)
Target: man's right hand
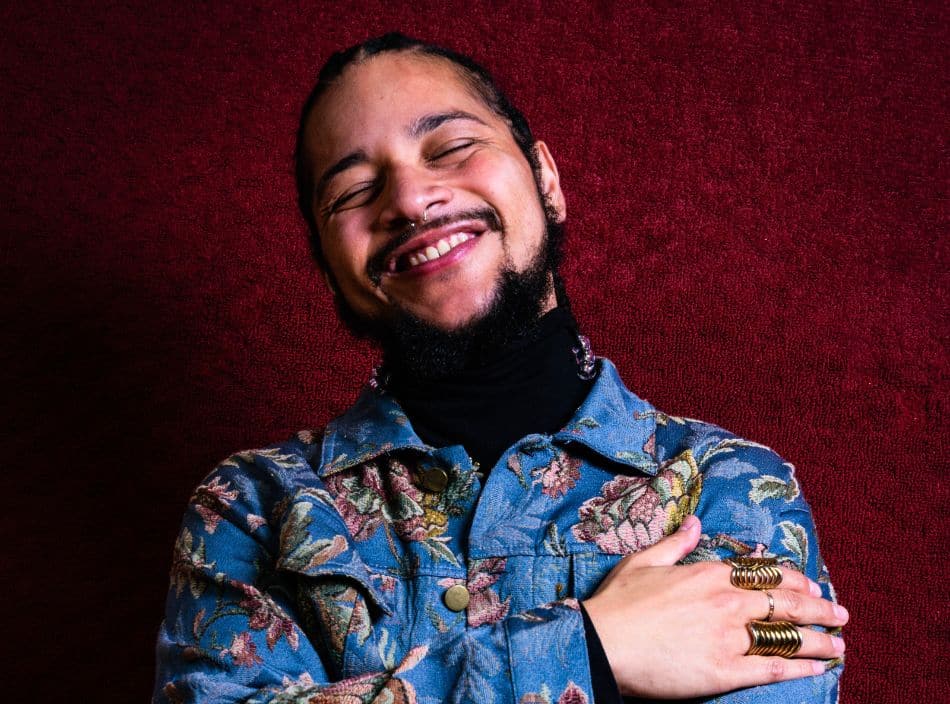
(678,631)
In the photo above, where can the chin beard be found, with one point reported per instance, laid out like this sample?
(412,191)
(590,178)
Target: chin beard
(415,348)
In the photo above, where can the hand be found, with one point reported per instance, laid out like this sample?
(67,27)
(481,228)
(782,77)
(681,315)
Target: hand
(678,631)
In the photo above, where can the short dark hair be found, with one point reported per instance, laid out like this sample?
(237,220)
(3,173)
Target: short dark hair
(475,75)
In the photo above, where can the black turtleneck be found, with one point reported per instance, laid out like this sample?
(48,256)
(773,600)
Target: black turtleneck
(530,386)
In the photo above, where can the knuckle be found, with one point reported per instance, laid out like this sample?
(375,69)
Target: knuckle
(723,602)
(775,669)
(794,606)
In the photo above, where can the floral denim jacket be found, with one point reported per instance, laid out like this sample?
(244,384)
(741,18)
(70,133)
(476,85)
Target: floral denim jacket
(319,570)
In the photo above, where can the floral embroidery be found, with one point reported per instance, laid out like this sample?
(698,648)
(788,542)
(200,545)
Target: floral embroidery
(211,500)
(299,550)
(635,512)
(485,605)
(264,614)
(558,477)
(243,650)
(368,499)
(571,695)
(187,560)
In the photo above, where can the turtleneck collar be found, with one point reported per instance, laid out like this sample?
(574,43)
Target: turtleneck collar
(530,386)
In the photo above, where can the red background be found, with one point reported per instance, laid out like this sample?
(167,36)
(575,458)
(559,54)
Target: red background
(757,197)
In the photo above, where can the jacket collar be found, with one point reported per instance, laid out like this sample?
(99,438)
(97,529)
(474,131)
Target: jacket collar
(612,422)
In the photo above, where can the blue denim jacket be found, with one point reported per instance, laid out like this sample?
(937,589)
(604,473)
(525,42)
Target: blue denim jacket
(365,566)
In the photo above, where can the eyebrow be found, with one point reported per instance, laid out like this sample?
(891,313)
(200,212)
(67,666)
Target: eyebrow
(419,127)
(428,123)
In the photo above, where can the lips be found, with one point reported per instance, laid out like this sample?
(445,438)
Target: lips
(431,245)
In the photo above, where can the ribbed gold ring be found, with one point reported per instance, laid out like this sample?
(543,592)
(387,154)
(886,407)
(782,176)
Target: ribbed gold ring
(771,606)
(754,572)
(780,638)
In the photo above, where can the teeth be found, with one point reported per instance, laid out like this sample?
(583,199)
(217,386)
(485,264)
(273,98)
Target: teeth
(434,251)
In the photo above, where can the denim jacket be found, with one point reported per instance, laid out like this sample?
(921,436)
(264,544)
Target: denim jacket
(365,566)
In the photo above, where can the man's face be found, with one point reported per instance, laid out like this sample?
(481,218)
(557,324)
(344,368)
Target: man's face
(401,135)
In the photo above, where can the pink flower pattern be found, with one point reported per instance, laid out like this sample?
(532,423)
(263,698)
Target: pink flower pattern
(264,614)
(211,500)
(366,500)
(558,477)
(485,606)
(243,650)
(627,517)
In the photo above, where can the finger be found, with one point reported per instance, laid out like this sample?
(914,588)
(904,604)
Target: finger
(816,644)
(792,580)
(796,581)
(756,669)
(672,548)
(800,609)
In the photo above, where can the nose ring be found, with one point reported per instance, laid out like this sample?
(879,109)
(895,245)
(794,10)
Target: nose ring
(425,214)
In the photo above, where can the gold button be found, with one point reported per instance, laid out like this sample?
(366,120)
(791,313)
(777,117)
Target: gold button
(456,597)
(435,479)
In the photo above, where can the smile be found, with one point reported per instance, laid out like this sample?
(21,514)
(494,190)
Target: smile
(434,251)
(435,248)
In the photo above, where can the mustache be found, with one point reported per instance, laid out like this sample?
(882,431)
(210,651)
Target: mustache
(377,262)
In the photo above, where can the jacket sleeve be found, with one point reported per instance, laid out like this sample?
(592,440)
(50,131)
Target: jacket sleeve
(235,629)
(751,503)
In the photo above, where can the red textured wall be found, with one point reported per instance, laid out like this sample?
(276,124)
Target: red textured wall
(758,209)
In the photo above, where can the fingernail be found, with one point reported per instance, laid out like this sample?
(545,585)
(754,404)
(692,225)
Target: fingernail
(838,645)
(814,588)
(817,667)
(841,613)
(688,523)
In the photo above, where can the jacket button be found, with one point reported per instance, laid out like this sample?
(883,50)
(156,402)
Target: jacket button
(456,597)
(435,480)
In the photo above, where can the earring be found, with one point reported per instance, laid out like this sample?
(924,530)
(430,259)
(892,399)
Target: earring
(585,358)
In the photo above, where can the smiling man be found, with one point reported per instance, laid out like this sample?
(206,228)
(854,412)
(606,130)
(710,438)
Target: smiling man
(497,519)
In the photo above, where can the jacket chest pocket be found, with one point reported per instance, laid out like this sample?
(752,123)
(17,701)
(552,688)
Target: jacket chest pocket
(343,620)
(588,570)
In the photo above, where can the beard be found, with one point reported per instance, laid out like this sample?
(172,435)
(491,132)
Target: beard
(416,349)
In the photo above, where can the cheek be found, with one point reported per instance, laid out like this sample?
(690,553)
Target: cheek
(346,255)
(508,184)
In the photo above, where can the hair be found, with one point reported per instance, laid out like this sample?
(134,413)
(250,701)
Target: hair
(477,78)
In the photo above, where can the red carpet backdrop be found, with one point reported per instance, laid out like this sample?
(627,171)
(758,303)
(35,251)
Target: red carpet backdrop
(757,201)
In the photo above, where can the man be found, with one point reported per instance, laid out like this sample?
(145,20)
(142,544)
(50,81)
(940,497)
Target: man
(458,534)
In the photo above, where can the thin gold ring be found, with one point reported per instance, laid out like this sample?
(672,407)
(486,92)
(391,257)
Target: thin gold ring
(780,638)
(771,606)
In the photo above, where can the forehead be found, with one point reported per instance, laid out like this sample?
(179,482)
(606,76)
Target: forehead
(387,92)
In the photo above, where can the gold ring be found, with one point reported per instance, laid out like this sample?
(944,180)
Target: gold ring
(774,638)
(754,572)
(771,606)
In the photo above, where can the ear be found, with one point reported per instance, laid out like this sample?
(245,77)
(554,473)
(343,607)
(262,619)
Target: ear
(550,182)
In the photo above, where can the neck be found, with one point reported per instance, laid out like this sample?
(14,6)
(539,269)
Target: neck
(528,385)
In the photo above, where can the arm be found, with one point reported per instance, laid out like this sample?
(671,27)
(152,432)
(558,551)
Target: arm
(690,635)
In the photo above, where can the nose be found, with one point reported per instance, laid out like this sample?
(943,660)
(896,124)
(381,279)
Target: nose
(411,193)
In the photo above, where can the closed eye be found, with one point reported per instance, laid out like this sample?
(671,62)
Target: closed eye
(354,198)
(453,149)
